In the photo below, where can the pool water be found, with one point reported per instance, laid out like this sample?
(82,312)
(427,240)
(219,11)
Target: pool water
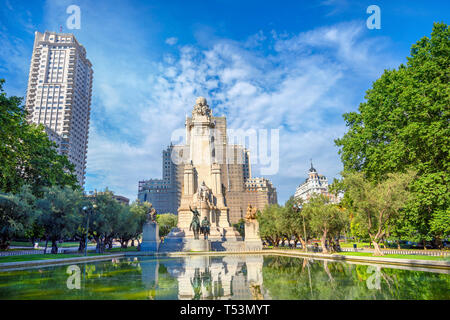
(224,277)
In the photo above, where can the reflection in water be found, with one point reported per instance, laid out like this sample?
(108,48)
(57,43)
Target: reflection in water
(230,277)
(290,278)
(244,277)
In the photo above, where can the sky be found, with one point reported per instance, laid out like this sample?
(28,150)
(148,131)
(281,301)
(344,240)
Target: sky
(292,66)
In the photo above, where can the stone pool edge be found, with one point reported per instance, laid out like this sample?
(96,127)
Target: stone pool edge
(389,261)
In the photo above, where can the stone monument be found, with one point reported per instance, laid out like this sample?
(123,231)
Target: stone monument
(252,239)
(202,188)
(197,244)
(150,238)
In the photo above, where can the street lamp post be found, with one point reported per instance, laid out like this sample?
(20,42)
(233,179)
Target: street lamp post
(88,211)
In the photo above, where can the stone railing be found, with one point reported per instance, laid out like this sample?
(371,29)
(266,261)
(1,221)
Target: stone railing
(402,251)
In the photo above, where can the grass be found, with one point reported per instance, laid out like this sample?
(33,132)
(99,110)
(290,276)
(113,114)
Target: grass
(33,257)
(42,244)
(19,249)
(396,256)
(350,244)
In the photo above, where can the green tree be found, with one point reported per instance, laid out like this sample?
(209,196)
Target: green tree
(105,219)
(270,223)
(294,222)
(85,209)
(404,124)
(27,156)
(126,227)
(140,211)
(166,222)
(377,206)
(59,213)
(17,214)
(325,219)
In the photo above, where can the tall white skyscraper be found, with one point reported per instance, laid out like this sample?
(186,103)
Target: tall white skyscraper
(59,93)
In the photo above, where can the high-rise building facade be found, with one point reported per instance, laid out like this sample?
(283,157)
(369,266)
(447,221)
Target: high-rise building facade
(163,193)
(59,94)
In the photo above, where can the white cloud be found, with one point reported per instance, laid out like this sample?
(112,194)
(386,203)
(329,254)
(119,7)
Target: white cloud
(171,41)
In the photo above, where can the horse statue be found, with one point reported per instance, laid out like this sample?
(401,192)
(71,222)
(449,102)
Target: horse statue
(195,223)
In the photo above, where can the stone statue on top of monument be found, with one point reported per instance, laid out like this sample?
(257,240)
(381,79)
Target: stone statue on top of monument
(201,108)
(252,239)
(151,215)
(203,193)
(150,237)
(251,213)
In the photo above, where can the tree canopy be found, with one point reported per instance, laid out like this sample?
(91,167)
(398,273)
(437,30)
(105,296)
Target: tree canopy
(404,124)
(27,156)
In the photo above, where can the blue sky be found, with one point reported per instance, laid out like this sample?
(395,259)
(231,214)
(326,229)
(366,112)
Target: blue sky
(296,66)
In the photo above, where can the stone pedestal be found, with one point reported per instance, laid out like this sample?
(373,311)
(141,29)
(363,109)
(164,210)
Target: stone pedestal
(150,238)
(252,239)
(198,245)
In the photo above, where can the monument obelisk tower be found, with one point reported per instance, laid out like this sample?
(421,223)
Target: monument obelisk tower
(202,184)
(202,187)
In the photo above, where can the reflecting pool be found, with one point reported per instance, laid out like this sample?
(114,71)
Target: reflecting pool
(224,277)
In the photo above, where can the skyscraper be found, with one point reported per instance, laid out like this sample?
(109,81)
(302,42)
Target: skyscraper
(59,93)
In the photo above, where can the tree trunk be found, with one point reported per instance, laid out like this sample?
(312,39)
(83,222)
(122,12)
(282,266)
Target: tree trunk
(46,243)
(123,244)
(100,245)
(398,244)
(82,245)
(325,267)
(132,242)
(424,245)
(322,241)
(377,251)
(4,244)
(438,243)
(54,247)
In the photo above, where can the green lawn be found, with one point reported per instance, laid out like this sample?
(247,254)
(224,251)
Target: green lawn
(33,257)
(42,244)
(350,244)
(397,256)
(20,249)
